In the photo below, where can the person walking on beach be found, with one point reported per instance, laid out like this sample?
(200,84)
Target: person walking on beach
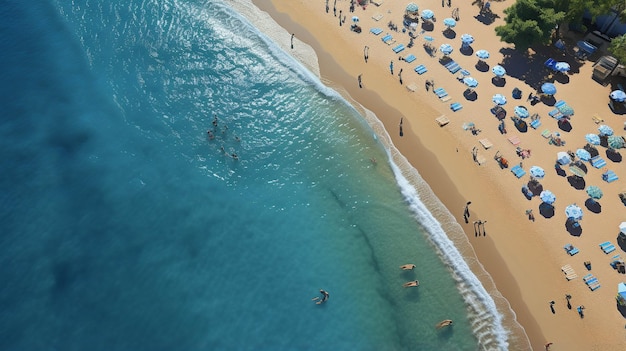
(400,75)
(360,81)
(552,307)
(292,34)
(366,53)
(391,67)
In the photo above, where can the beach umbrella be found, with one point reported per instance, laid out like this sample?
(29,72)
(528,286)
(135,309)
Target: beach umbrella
(592,139)
(622,227)
(449,22)
(482,54)
(498,70)
(521,111)
(428,14)
(574,212)
(562,66)
(412,8)
(470,82)
(583,154)
(563,158)
(537,172)
(428,38)
(577,171)
(355,19)
(446,49)
(621,290)
(594,192)
(566,110)
(615,142)
(548,89)
(605,130)
(499,99)
(618,95)
(547,196)
(467,39)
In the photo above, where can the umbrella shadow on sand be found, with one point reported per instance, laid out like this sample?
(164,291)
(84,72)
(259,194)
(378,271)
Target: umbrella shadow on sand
(573,227)
(449,33)
(593,205)
(466,50)
(546,210)
(498,81)
(470,94)
(576,182)
(565,125)
(613,155)
(482,66)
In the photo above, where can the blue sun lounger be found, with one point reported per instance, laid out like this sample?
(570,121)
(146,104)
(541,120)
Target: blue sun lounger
(518,171)
(594,286)
(398,48)
(421,69)
(387,38)
(535,123)
(597,162)
(453,67)
(376,31)
(555,113)
(608,249)
(455,106)
(609,176)
(441,92)
(410,58)
(571,250)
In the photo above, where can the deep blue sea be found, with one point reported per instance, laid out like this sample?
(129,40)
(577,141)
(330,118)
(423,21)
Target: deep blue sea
(126,226)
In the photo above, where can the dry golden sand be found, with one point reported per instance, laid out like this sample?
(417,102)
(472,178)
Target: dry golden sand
(523,257)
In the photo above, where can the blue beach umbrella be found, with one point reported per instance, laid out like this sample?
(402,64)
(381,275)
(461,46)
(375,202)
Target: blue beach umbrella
(428,14)
(615,142)
(548,89)
(521,111)
(449,22)
(574,212)
(594,192)
(412,8)
(537,172)
(470,82)
(446,49)
(605,130)
(618,95)
(583,154)
(498,70)
(428,38)
(592,139)
(355,19)
(467,39)
(562,66)
(482,54)
(499,99)
(547,196)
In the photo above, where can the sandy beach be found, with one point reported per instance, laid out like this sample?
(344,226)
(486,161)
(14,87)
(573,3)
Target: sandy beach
(523,257)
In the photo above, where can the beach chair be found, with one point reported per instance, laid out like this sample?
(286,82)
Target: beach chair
(571,250)
(560,103)
(376,31)
(412,87)
(597,162)
(485,143)
(387,38)
(535,123)
(546,133)
(570,274)
(377,17)
(442,120)
(465,72)
(597,119)
(421,69)
(555,113)
(608,249)
(398,48)
(604,244)
(453,67)
(518,171)
(409,58)
(594,286)
(455,106)
(609,176)
(440,92)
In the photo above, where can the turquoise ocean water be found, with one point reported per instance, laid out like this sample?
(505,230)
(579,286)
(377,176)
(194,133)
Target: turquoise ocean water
(126,227)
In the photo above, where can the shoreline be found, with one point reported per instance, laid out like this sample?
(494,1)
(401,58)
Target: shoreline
(441,155)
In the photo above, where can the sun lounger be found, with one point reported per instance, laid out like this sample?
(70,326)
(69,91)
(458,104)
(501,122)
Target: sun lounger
(609,176)
(597,119)
(442,120)
(411,87)
(608,249)
(421,69)
(387,38)
(571,250)
(518,171)
(594,286)
(569,272)
(560,103)
(376,31)
(546,133)
(597,162)
(440,92)
(514,139)
(587,277)
(555,113)
(398,48)
(455,106)
(377,17)
(453,67)
(465,72)
(535,123)
(485,143)
(409,58)
(605,244)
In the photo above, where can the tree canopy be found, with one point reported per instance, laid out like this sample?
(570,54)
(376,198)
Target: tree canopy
(531,22)
(618,48)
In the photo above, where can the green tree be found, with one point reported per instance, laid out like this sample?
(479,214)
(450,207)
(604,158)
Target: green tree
(618,48)
(530,22)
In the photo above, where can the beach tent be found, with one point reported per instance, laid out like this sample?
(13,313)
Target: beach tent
(563,158)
